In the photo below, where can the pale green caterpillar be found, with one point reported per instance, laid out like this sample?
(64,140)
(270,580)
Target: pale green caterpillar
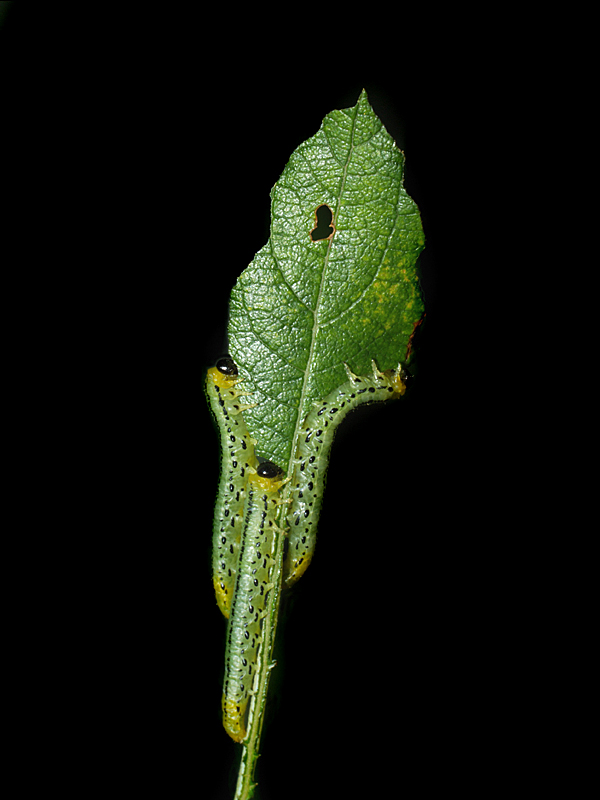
(312,457)
(237,460)
(249,599)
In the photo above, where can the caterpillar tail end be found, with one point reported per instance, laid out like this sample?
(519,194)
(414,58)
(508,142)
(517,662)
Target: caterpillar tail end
(233,719)
(398,382)
(297,568)
(223,598)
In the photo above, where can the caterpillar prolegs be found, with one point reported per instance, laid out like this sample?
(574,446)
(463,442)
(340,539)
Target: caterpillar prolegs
(313,452)
(253,583)
(238,459)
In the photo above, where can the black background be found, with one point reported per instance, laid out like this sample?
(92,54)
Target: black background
(144,144)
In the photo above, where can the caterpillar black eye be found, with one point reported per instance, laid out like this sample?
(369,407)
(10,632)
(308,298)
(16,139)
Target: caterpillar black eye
(227,366)
(269,470)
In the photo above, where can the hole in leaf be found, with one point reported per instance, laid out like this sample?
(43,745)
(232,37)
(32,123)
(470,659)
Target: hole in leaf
(324,228)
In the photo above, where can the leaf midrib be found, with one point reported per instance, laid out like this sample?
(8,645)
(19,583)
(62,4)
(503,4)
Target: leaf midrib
(316,323)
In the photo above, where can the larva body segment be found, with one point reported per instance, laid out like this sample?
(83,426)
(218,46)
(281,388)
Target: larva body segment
(237,459)
(250,597)
(312,457)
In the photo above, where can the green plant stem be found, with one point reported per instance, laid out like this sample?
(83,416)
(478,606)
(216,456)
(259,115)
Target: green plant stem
(250,748)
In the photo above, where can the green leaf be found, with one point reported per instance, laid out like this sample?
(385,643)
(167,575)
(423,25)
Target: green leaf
(335,283)
(303,307)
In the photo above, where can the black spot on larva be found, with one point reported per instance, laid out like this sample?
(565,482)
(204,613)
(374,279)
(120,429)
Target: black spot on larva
(231,487)
(297,521)
(246,634)
(226,512)
(308,437)
(302,466)
(243,444)
(231,549)
(300,494)
(371,389)
(306,513)
(223,540)
(310,485)
(244,662)
(255,582)
(311,459)
(251,609)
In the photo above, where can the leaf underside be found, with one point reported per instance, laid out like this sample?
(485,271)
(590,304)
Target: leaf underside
(303,307)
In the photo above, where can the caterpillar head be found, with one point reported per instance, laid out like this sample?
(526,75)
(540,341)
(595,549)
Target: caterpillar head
(225,373)
(268,476)
(227,366)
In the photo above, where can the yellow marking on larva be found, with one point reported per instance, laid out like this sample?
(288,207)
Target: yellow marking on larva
(223,597)
(228,382)
(267,484)
(221,380)
(233,718)
(398,383)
